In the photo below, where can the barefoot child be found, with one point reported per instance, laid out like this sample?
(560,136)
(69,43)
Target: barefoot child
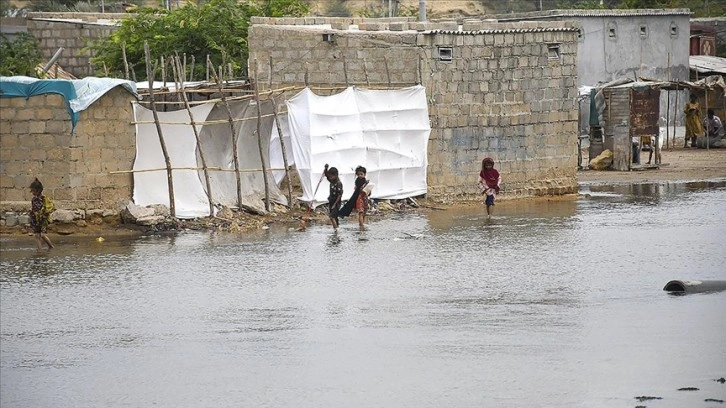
(336,194)
(489,180)
(359,200)
(39,215)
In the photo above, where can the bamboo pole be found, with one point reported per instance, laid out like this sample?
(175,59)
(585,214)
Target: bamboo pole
(126,61)
(169,177)
(206,122)
(184,69)
(419,70)
(259,137)
(365,72)
(388,73)
(233,138)
(180,76)
(708,124)
(284,153)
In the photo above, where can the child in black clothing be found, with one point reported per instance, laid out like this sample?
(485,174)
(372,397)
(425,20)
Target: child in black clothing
(336,194)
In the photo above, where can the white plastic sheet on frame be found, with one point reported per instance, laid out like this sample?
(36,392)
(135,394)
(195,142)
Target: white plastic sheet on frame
(385,131)
(150,187)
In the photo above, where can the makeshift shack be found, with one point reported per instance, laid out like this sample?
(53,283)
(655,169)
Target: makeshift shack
(628,114)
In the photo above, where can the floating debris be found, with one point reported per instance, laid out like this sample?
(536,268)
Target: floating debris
(721,380)
(688,389)
(713,400)
(645,398)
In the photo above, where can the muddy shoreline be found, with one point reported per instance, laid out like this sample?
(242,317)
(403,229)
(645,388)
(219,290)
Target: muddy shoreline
(678,166)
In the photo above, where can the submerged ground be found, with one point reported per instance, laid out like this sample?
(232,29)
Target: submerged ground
(550,303)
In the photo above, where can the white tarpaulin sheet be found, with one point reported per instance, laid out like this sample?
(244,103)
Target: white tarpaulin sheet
(385,131)
(150,187)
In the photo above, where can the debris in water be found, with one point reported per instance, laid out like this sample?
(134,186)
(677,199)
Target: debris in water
(645,398)
(713,400)
(688,389)
(721,380)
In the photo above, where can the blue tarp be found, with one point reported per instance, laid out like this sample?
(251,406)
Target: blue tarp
(78,94)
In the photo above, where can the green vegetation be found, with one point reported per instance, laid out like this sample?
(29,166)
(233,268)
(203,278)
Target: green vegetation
(19,56)
(217,28)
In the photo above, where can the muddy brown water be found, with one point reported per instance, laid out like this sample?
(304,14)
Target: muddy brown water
(548,304)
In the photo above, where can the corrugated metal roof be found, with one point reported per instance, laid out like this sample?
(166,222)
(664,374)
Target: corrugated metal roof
(506,31)
(706,63)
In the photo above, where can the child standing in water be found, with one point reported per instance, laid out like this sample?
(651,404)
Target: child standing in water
(489,180)
(336,194)
(39,215)
(361,202)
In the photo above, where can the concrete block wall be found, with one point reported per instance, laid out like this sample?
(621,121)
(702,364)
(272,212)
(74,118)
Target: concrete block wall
(73,36)
(502,94)
(36,141)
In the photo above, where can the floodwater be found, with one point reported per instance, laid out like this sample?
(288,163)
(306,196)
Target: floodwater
(549,304)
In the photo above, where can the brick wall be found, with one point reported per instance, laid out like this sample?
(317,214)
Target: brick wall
(36,141)
(500,95)
(79,31)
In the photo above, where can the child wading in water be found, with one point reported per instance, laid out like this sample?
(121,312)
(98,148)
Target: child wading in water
(359,200)
(39,215)
(489,180)
(336,194)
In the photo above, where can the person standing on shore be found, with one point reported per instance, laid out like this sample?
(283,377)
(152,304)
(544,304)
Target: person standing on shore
(40,210)
(693,121)
(336,194)
(489,180)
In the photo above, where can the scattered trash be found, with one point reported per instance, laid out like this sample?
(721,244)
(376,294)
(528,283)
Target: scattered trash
(100,239)
(713,400)
(688,389)
(645,398)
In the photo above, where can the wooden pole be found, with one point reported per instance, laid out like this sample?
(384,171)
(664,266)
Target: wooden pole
(270,77)
(126,61)
(133,73)
(284,153)
(675,116)
(419,69)
(233,136)
(180,77)
(163,71)
(708,124)
(345,71)
(184,69)
(259,137)
(365,72)
(668,117)
(191,70)
(230,71)
(105,68)
(169,177)
(388,73)
(306,74)
(208,67)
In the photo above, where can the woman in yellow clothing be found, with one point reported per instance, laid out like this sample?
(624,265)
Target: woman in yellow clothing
(693,121)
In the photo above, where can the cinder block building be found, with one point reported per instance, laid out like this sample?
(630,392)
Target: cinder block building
(505,90)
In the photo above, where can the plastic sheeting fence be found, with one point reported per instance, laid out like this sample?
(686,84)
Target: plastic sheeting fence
(190,197)
(385,131)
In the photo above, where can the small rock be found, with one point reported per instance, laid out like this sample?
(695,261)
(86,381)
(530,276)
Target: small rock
(81,223)
(132,212)
(24,219)
(11,220)
(150,220)
(64,216)
(108,213)
(65,230)
(160,209)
